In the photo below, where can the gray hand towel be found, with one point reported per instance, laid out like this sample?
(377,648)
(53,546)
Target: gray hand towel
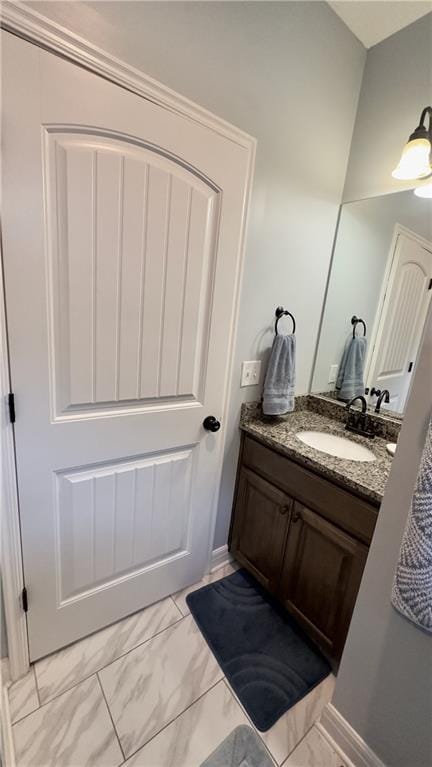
(350,379)
(278,397)
(412,586)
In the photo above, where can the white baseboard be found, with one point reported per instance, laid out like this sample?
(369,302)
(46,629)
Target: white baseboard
(6,737)
(345,740)
(220,557)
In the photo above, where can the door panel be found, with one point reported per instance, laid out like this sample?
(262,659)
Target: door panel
(261,520)
(131,243)
(119,519)
(122,227)
(321,577)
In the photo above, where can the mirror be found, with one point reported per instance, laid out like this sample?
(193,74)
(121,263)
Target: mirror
(381,274)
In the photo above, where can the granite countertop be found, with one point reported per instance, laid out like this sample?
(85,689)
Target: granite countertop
(365,478)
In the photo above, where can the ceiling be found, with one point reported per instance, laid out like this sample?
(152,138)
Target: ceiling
(374,20)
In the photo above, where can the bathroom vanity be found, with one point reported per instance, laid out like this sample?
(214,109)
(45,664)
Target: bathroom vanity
(303,520)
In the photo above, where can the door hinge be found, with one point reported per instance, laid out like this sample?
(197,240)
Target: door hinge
(24,599)
(11,403)
(430,284)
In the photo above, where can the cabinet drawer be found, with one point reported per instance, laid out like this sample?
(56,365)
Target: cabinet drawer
(339,506)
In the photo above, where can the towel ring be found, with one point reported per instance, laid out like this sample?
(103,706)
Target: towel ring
(354,322)
(281,312)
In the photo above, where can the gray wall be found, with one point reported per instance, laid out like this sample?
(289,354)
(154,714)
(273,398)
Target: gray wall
(289,74)
(384,686)
(362,249)
(397,84)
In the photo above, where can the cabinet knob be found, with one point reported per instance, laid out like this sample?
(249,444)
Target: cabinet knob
(296,516)
(285,509)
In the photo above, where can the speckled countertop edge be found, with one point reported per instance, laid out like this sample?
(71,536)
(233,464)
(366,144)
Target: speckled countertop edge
(367,479)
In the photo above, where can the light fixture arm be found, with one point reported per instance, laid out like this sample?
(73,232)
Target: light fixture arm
(421,131)
(426,111)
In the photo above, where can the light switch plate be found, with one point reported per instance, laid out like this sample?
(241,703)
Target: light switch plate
(333,373)
(250,373)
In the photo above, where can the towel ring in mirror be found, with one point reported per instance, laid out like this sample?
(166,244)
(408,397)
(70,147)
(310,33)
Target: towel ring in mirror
(354,322)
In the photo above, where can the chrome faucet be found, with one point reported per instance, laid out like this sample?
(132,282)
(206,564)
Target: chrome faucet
(384,395)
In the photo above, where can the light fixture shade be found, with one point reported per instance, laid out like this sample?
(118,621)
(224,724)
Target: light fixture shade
(424,191)
(415,160)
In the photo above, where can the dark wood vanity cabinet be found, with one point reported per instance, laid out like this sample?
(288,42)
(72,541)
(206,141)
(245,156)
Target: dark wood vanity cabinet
(262,516)
(321,576)
(304,539)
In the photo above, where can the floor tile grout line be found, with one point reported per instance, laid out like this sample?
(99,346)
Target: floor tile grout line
(36,685)
(97,671)
(178,608)
(158,633)
(297,744)
(111,718)
(203,694)
(20,718)
(63,692)
(205,581)
(238,701)
(185,615)
(300,741)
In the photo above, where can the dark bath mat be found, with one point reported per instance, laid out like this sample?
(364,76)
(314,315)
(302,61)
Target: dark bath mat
(242,748)
(269,661)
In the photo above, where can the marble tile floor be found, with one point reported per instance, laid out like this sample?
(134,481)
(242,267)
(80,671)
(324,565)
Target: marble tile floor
(314,751)
(147,692)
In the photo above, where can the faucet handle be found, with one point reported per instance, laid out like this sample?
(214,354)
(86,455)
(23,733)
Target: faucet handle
(375,392)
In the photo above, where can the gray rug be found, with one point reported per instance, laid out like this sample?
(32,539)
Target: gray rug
(242,748)
(269,661)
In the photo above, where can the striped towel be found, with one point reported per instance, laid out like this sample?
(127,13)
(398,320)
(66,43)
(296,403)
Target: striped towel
(412,586)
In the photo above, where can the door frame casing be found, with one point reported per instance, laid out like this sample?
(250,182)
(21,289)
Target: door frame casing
(398,230)
(26,23)
(11,555)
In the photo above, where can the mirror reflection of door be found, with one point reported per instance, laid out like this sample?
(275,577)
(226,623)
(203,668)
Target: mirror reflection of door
(381,272)
(404,303)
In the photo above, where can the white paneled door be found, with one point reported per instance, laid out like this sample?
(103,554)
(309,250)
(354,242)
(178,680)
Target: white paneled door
(122,229)
(401,322)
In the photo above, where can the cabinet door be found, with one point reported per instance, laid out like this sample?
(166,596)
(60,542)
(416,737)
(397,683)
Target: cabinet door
(261,519)
(321,576)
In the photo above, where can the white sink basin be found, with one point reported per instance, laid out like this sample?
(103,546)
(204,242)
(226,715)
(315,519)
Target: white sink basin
(334,445)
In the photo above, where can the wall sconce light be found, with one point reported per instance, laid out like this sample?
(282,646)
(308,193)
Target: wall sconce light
(424,191)
(415,161)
